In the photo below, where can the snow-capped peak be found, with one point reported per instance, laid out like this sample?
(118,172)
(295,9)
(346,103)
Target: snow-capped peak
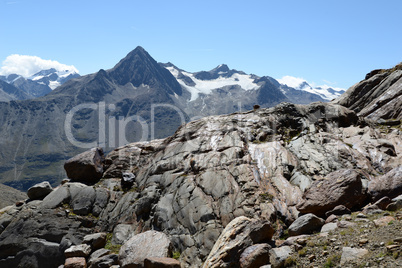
(198,86)
(324,91)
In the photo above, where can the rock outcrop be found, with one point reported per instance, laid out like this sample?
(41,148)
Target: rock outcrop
(216,189)
(378,96)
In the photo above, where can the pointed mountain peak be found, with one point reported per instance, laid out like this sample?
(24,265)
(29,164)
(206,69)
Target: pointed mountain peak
(221,68)
(139,68)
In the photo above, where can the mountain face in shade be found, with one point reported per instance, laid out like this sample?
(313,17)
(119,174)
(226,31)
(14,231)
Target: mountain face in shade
(137,99)
(9,92)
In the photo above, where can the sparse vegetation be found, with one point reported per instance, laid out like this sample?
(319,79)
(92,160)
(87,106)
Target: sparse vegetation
(110,246)
(332,261)
(176,255)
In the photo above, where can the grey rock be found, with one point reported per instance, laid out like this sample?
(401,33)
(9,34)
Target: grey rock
(239,234)
(101,200)
(82,250)
(97,254)
(82,201)
(352,254)
(39,191)
(96,241)
(122,233)
(305,224)
(279,255)
(338,210)
(86,167)
(142,246)
(328,227)
(105,261)
(255,256)
(127,180)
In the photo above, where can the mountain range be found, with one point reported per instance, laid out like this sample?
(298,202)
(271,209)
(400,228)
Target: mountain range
(37,85)
(137,99)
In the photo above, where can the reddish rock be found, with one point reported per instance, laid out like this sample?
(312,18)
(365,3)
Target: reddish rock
(161,262)
(76,262)
(341,187)
(384,221)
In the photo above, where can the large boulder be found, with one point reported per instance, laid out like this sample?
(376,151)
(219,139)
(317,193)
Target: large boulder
(145,245)
(255,256)
(86,167)
(341,187)
(389,184)
(305,224)
(39,191)
(279,255)
(239,234)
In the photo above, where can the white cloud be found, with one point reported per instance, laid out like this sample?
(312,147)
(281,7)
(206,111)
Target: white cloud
(27,66)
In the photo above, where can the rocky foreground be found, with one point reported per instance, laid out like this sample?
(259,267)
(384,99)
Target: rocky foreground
(223,191)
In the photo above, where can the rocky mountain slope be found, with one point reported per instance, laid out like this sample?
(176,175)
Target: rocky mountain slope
(378,96)
(138,99)
(9,196)
(38,84)
(219,192)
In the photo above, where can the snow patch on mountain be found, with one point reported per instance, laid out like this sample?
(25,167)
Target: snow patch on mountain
(206,86)
(324,91)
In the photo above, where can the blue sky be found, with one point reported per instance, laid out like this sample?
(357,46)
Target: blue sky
(326,42)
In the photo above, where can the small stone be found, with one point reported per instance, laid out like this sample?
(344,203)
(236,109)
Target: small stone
(382,244)
(82,250)
(96,241)
(392,247)
(398,240)
(19,203)
(363,241)
(325,253)
(361,216)
(347,217)
(311,257)
(332,218)
(159,262)
(301,241)
(76,262)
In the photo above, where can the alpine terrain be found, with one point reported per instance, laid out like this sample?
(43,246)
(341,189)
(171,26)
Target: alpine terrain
(315,185)
(137,99)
